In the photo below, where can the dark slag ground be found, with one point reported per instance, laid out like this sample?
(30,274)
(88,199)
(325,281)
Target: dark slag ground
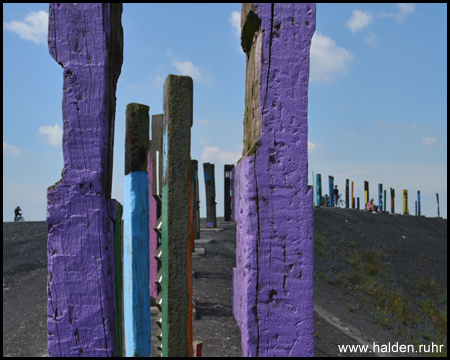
(412,247)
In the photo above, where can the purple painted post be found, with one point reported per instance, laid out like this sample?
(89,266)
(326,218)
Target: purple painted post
(87,41)
(233,194)
(273,278)
(151,224)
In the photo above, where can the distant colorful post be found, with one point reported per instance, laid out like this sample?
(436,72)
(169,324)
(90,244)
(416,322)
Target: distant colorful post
(405,202)
(330,189)
(318,189)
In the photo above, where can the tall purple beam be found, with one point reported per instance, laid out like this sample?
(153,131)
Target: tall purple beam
(87,41)
(273,278)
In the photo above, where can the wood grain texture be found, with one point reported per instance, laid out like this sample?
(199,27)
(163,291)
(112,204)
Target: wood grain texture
(87,41)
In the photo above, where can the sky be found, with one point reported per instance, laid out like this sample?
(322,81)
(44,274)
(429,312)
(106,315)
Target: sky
(377,101)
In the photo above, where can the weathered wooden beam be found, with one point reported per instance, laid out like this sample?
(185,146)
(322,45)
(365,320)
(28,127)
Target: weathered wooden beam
(273,278)
(195,199)
(210,189)
(86,39)
(347,194)
(178,111)
(157,170)
(233,194)
(227,191)
(136,263)
(118,261)
(153,237)
(319,189)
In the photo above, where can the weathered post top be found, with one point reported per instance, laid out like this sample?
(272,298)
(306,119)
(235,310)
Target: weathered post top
(86,39)
(136,138)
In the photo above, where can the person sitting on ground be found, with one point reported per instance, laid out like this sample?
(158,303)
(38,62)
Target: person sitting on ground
(371,207)
(17,212)
(335,195)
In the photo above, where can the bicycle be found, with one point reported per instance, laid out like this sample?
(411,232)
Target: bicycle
(20,218)
(339,202)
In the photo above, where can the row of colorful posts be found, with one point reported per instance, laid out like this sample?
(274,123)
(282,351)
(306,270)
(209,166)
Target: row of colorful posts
(328,200)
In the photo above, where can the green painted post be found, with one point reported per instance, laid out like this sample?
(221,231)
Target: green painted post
(118,249)
(178,116)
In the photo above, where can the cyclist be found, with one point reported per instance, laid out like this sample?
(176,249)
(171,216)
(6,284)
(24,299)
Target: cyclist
(335,195)
(17,213)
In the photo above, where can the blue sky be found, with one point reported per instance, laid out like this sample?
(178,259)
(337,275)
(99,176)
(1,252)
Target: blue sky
(377,96)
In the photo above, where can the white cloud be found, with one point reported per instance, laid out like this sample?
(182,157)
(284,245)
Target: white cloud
(51,134)
(371,39)
(431,142)
(352,134)
(235,20)
(404,9)
(311,146)
(204,121)
(189,69)
(214,154)
(11,150)
(34,27)
(328,61)
(359,20)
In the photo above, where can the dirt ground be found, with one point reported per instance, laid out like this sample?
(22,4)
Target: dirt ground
(378,278)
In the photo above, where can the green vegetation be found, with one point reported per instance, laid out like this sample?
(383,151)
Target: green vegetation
(420,318)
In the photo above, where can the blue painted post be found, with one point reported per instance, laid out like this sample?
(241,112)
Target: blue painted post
(330,187)
(380,197)
(418,202)
(136,262)
(318,189)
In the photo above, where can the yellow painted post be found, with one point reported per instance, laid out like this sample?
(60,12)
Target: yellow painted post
(405,202)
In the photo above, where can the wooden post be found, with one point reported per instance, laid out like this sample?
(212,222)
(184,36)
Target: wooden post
(210,188)
(330,189)
(405,202)
(118,253)
(347,200)
(86,40)
(136,254)
(437,198)
(384,202)
(153,240)
(318,189)
(273,279)
(353,198)
(357,202)
(178,111)
(366,193)
(392,200)
(195,199)
(233,195)
(380,197)
(418,203)
(227,192)
(157,171)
